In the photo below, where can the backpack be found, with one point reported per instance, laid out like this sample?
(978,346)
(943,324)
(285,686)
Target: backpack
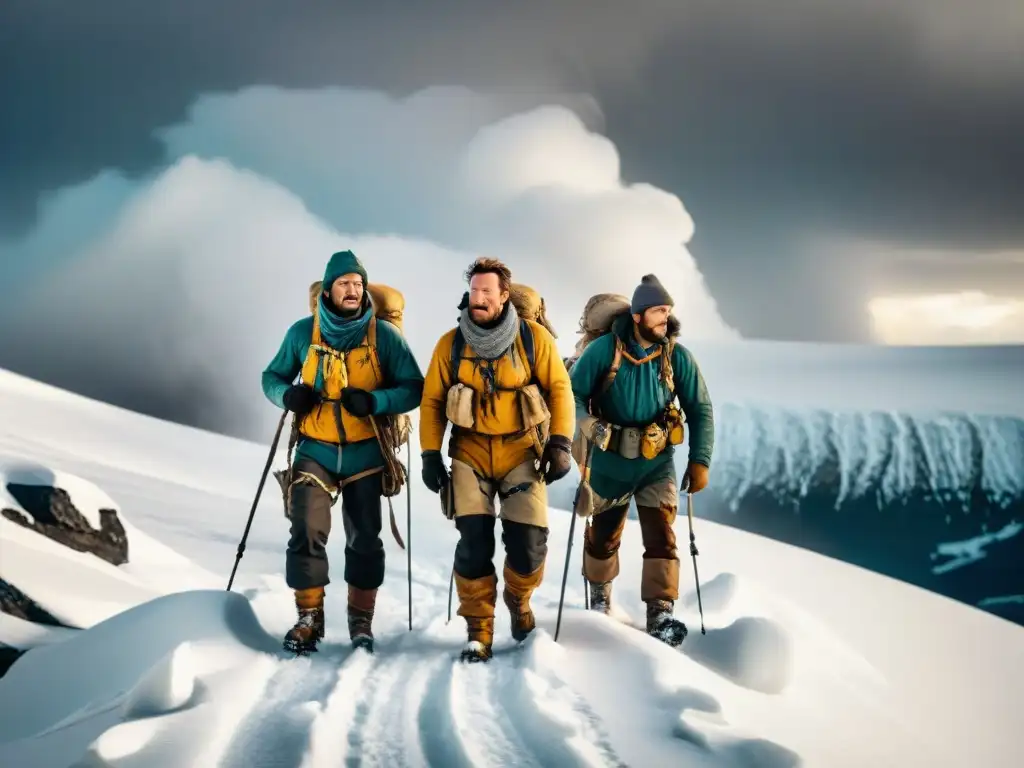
(598,318)
(599,315)
(530,305)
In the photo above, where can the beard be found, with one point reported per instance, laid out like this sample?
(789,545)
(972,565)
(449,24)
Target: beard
(652,335)
(489,319)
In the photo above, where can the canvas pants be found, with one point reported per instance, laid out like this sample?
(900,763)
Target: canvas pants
(306,563)
(657,504)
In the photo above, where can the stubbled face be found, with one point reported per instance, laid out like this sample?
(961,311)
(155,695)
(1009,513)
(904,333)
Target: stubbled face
(653,323)
(347,293)
(486,299)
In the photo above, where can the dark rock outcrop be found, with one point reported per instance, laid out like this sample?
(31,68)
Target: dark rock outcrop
(16,603)
(8,656)
(56,517)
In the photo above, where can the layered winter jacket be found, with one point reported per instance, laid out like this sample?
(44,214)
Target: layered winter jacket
(378,360)
(636,398)
(497,442)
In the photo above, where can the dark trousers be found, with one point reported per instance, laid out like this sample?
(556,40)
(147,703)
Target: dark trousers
(526,546)
(310,514)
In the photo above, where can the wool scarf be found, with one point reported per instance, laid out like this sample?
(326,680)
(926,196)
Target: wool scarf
(343,333)
(491,343)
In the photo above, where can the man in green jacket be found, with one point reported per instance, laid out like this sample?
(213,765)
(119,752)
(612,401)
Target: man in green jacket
(353,367)
(624,383)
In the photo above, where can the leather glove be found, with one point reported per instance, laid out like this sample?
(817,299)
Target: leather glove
(556,461)
(434,472)
(357,401)
(695,479)
(300,399)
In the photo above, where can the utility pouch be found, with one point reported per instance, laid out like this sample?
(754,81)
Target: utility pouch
(536,416)
(674,425)
(533,406)
(583,504)
(448,498)
(284,479)
(653,441)
(459,405)
(629,442)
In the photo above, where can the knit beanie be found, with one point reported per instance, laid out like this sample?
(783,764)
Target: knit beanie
(343,263)
(650,293)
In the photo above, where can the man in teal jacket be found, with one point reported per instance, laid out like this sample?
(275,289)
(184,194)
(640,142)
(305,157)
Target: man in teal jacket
(652,371)
(353,366)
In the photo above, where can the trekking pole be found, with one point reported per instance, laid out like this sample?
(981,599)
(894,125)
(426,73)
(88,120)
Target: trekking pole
(584,477)
(693,554)
(255,501)
(408,522)
(451,586)
(565,574)
(583,559)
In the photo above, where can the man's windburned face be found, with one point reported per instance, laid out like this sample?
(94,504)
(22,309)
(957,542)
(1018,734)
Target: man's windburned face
(347,293)
(652,325)
(486,299)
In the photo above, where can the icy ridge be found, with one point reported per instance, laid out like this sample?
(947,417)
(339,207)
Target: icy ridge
(952,458)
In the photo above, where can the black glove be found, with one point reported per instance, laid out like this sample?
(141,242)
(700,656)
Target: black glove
(556,460)
(434,473)
(357,401)
(300,399)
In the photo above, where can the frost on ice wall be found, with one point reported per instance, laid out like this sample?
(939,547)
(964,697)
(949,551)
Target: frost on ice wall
(889,457)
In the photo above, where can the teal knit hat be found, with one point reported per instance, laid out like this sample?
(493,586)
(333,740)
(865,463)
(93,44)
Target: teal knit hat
(343,263)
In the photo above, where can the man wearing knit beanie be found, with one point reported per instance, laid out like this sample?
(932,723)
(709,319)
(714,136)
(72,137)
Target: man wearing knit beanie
(333,403)
(625,383)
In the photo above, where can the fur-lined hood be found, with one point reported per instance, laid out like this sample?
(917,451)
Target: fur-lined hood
(622,327)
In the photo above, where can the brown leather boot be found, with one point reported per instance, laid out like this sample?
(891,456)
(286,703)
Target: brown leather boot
(516,595)
(361,603)
(476,604)
(309,629)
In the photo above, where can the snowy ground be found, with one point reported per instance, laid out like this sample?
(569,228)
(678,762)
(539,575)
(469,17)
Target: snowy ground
(806,661)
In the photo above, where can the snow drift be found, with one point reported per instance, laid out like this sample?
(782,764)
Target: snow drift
(803,655)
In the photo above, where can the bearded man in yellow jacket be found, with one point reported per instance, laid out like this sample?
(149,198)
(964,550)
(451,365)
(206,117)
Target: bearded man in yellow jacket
(501,383)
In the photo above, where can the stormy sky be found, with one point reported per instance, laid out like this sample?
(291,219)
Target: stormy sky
(834,156)
(814,143)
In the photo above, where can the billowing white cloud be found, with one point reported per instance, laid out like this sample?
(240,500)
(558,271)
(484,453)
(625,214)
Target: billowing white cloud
(187,289)
(964,317)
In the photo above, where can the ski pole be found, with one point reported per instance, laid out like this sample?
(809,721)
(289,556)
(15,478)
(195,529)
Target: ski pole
(565,574)
(586,584)
(451,586)
(584,478)
(408,522)
(693,554)
(255,501)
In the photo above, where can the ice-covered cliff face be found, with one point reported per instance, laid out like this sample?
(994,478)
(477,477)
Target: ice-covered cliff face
(958,460)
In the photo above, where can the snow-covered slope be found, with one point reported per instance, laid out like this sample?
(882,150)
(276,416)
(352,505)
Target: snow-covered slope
(806,660)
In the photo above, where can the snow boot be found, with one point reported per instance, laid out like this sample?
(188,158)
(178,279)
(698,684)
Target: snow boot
(516,595)
(309,629)
(476,604)
(663,625)
(361,603)
(481,636)
(601,597)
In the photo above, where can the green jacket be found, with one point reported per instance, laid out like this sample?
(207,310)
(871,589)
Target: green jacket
(636,398)
(401,395)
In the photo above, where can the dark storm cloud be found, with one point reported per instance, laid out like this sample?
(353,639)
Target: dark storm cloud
(773,121)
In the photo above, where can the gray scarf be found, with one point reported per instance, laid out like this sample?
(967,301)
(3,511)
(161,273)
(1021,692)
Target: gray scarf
(491,343)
